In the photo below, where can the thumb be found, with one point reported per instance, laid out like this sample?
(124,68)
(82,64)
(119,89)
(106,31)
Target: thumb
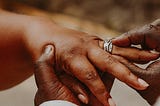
(49,86)
(135,36)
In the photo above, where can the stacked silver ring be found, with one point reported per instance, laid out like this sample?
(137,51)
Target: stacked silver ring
(108,46)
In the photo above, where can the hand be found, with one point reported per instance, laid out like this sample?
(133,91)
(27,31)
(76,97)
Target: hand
(151,74)
(75,53)
(78,54)
(63,87)
(148,37)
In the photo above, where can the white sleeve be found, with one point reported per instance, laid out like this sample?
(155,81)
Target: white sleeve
(57,103)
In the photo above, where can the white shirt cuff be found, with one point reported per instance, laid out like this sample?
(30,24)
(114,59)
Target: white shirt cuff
(57,103)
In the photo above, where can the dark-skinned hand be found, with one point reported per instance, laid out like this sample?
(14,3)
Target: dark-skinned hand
(80,55)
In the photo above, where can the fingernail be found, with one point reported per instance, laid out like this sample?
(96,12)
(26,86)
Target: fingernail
(143,83)
(83,98)
(154,52)
(48,49)
(111,102)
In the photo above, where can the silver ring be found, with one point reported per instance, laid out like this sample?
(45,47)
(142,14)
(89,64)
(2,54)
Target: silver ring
(108,46)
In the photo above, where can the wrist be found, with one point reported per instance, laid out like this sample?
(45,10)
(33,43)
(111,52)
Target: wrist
(38,33)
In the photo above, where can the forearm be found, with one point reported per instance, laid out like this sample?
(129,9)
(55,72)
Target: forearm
(15,61)
(13,27)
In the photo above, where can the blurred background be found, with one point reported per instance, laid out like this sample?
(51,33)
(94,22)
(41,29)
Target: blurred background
(115,14)
(105,18)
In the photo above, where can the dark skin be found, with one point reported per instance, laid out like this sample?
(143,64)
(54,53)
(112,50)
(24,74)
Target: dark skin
(147,74)
(149,38)
(79,55)
(49,84)
(151,74)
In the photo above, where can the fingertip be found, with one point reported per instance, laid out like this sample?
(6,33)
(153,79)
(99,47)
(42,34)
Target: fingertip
(135,82)
(143,83)
(83,98)
(140,84)
(148,55)
(82,95)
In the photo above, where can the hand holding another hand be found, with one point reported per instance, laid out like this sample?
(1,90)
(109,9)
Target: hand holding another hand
(80,56)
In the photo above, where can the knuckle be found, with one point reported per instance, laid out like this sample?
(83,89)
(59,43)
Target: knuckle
(94,38)
(56,92)
(130,33)
(50,88)
(66,61)
(61,92)
(40,65)
(109,60)
(156,22)
(76,50)
(76,65)
(140,57)
(125,77)
(53,85)
(91,75)
(127,33)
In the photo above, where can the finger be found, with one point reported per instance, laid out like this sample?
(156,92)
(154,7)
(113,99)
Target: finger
(76,87)
(154,65)
(49,87)
(154,70)
(135,69)
(86,73)
(148,74)
(151,75)
(134,36)
(152,38)
(108,80)
(135,54)
(141,36)
(94,101)
(105,62)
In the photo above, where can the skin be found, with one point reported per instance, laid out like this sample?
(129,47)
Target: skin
(150,74)
(59,89)
(148,37)
(23,43)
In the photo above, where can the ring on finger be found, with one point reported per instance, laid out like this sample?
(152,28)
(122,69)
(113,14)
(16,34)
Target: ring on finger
(108,46)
